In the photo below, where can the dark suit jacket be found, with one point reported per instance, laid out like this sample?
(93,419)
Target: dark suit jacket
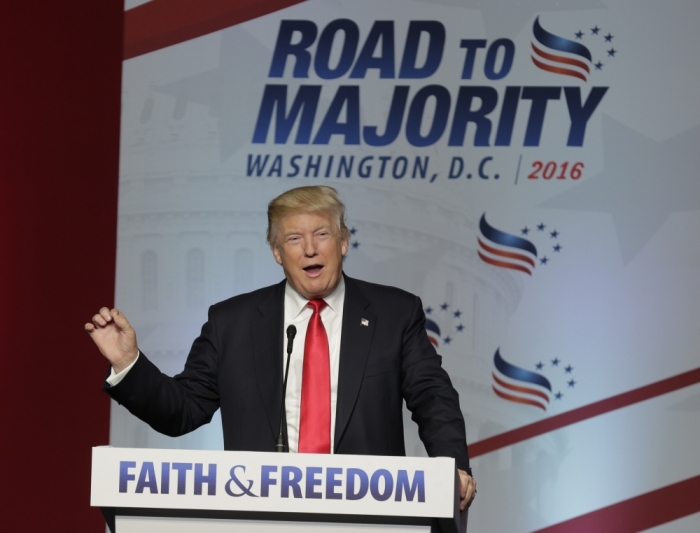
(236,365)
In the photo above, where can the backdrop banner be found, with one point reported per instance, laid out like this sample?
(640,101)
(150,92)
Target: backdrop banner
(528,169)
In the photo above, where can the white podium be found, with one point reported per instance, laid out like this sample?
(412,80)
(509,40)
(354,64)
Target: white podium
(178,491)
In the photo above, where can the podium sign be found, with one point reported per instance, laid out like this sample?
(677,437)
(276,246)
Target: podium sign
(139,489)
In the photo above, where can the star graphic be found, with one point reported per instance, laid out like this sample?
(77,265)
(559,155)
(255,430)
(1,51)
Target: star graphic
(525,230)
(555,361)
(595,30)
(457,313)
(579,34)
(608,38)
(444,306)
(557,248)
(544,260)
(355,245)
(353,231)
(541,226)
(505,17)
(460,327)
(568,369)
(612,52)
(447,340)
(558,395)
(428,310)
(642,184)
(539,366)
(599,66)
(571,383)
(554,234)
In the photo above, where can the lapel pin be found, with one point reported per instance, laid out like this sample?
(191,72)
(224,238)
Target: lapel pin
(364,322)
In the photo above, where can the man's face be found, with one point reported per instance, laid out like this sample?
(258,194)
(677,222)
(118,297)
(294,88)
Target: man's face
(310,249)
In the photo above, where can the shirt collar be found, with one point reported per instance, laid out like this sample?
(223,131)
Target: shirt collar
(295,302)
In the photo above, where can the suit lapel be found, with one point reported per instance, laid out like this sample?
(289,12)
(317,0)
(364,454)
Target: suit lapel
(355,343)
(268,346)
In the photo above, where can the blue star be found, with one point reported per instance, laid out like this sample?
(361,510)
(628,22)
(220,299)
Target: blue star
(460,327)
(555,361)
(608,38)
(554,234)
(558,395)
(428,310)
(457,313)
(541,226)
(539,366)
(525,230)
(447,340)
(579,34)
(557,248)
(571,383)
(599,66)
(353,231)
(544,260)
(595,30)
(356,245)
(444,306)
(568,369)
(611,52)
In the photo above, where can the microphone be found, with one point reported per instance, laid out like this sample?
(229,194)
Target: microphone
(282,444)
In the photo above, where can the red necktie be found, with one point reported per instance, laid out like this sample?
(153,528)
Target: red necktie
(315,423)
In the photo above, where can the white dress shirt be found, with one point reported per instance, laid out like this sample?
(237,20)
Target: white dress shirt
(297,312)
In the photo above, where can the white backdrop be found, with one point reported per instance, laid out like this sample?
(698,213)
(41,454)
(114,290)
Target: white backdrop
(608,303)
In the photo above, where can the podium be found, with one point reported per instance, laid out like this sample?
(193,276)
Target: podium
(178,491)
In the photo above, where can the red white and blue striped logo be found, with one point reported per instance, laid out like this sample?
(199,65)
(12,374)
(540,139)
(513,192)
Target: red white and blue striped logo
(558,55)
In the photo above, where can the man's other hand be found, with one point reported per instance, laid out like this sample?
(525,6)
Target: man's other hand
(114,336)
(467,490)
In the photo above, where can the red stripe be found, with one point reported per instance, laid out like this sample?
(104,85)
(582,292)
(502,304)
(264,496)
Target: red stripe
(517,399)
(558,70)
(584,413)
(637,514)
(516,388)
(558,59)
(503,264)
(160,23)
(503,253)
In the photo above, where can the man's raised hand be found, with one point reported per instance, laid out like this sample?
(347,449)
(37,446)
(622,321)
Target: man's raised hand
(114,336)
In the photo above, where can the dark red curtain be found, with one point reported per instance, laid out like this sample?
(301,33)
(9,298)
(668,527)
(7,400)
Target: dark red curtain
(60,84)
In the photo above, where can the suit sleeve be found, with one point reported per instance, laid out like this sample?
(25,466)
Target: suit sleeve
(174,405)
(429,394)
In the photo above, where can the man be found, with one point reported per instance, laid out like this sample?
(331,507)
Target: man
(362,350)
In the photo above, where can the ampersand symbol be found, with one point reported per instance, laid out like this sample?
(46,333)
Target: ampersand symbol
(234,478)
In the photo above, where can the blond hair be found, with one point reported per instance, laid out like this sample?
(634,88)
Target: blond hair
(310,199)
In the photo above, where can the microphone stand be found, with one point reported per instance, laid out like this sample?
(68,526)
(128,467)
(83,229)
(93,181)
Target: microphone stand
(282,445)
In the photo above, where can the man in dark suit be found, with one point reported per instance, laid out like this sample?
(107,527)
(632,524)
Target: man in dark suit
(374,354)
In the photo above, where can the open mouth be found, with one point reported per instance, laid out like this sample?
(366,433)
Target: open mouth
(313,270)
